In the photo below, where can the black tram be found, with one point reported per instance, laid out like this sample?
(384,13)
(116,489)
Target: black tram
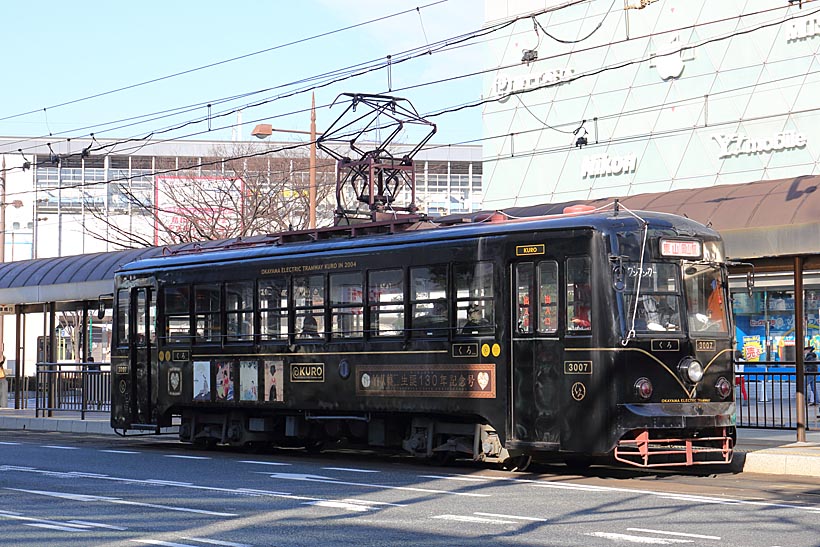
(602,332)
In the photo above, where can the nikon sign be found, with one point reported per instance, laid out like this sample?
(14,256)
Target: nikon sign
(604,164)
(739,145)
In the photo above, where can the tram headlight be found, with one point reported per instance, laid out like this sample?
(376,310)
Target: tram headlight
(643,388)
(723,387)
(691,370)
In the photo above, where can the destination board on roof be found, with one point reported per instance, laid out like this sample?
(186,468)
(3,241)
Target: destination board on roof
(7,309)
(684,248)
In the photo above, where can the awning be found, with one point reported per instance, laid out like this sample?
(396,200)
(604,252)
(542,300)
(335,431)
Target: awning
(773,218)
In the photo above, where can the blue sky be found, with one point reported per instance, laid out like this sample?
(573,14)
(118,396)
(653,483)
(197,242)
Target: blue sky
(57,52)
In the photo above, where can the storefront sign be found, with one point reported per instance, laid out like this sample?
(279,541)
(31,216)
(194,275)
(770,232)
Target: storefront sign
(738,145)
(604,164)
(803,28)
(504,85)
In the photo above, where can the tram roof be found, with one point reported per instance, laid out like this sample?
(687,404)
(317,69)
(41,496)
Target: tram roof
(779,218)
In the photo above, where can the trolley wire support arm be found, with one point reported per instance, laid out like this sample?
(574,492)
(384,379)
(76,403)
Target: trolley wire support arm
(374,171)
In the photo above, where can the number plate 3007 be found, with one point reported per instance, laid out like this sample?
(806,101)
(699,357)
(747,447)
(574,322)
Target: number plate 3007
(577,367)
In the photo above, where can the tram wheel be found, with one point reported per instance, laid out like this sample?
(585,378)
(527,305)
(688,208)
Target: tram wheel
(578,462)
(517,463)
(314,447)
(442,458)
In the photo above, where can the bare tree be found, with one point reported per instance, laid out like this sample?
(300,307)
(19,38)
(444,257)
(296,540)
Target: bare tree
(213,198)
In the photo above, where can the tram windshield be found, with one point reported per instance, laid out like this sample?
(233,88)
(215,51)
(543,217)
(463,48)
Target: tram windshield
(705,297)
(652,297)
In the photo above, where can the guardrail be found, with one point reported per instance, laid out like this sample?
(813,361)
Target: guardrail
(77,387)
(765,395)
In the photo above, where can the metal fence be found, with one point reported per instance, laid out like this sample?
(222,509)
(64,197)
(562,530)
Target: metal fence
(765,393)
(79,387)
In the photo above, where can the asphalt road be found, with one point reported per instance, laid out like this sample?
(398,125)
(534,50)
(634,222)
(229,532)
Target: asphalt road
(63,489)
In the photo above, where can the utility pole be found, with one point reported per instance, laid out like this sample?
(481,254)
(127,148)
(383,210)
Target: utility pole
(2,255)
(312,179)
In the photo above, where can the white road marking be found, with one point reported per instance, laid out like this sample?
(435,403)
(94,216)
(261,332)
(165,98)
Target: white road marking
(167,483)
(638,539)
(217,542)
(455,478)
(84,497)
(98,525)
(53,527)
(620,490)
(162,543)
(339,505)
(184,457)
(44,523)
(58,447)
(120,451)
(263,463)
(533,519)
(368,502)
(681,534)
(466,518)
(8,443)
(350,469)
(318,478)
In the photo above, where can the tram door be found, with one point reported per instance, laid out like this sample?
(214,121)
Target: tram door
(143,372)
(535,352)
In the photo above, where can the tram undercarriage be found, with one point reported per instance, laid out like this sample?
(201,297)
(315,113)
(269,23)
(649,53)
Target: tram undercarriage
(422,437)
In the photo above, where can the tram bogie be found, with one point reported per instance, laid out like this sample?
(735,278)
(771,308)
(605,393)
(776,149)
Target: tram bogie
(573,336)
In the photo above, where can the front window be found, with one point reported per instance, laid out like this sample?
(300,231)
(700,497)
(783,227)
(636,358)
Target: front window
(706,298)
(652,297)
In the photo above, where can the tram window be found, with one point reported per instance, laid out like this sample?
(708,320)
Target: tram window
(474,298)
(239,306)
(656,307)
(273,308)
(346,305)
(309,305)
(123,307)
(524,273)
(579,294)
(547,296)
(207,299)
(428,298)
(141,320)
(385,297)
(177,314)
(706,298)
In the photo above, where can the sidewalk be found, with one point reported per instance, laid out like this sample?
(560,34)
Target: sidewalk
(769,451)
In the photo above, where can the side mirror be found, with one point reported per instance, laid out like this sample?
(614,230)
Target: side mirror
(100,309)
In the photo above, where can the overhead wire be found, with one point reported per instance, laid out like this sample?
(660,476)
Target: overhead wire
(218,63)
(473,104)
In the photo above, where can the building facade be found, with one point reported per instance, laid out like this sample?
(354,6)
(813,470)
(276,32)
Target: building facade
(606,99)
(73,203)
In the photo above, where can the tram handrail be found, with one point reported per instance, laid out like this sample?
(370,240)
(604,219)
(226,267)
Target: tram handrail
(73,387)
